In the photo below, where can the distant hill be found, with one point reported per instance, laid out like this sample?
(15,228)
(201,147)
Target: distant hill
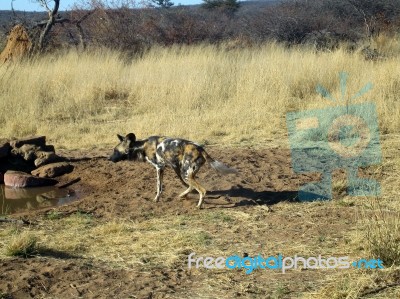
(9,18)
(322,24)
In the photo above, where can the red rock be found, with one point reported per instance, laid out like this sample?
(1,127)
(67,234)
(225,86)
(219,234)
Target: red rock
(18,179)
(38,141)
(53,170)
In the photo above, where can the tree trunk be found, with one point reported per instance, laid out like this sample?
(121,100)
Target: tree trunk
(49,25)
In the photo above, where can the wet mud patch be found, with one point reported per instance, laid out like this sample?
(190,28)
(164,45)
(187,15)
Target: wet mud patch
(19,200)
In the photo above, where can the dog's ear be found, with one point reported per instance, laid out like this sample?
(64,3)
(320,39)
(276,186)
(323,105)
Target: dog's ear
(121,138)
(131,137)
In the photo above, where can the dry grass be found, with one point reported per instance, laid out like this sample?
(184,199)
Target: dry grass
(383,234)
(22,244)
(122,243)
(376,235)
(360,284)
(238,96)
(167,241)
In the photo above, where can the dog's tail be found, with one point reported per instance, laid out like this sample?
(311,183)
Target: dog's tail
(218,166)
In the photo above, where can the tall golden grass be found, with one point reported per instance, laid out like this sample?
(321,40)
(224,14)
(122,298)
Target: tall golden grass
(206,93)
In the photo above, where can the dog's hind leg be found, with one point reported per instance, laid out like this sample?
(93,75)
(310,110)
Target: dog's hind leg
(202,193)
(160,173)
(194,184)
(186,192)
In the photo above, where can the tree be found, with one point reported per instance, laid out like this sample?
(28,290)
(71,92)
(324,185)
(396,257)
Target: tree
(39,31)
(47,25)
(163,3)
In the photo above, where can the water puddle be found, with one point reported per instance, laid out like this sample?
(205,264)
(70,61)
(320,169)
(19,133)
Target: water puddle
(14,200)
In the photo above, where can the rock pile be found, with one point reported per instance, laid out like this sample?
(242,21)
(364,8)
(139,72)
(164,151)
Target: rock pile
(29,162)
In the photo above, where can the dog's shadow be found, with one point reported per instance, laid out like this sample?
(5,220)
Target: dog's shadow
(250,197)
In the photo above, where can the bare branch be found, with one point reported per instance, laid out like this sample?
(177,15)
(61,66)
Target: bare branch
(45,5)
(56,21)
(12,9)
(80,29)
(50,22)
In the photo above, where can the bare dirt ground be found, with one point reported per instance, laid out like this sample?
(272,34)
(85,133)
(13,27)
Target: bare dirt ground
(259,211)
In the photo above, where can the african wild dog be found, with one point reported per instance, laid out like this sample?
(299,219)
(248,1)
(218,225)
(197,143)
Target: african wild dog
(184,156)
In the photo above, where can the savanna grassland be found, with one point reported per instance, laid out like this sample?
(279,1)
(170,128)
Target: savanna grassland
(115,241)
(207,93)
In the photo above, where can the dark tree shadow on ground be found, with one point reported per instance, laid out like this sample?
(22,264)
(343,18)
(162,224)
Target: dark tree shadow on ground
(85,159)
(251,197)
(48,252)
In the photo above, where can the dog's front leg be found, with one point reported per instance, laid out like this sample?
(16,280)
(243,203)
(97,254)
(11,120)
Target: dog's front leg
(160,173)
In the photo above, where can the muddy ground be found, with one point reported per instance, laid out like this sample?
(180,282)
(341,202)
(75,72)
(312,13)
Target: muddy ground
(126,190)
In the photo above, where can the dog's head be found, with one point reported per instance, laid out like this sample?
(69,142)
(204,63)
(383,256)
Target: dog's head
(124,149)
